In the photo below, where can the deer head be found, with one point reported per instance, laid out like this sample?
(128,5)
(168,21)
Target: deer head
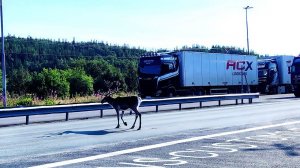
(110,92)
(106,99)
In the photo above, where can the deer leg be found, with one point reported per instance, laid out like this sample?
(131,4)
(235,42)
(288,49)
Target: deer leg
(137,114)
(122,114)
(140,116)
(118,126)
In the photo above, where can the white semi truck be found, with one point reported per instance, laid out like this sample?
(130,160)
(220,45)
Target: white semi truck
(190,72)
(274,74)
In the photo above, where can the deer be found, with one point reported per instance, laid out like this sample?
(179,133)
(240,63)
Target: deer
(124,103)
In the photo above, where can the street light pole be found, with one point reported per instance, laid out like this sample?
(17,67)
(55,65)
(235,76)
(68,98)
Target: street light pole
(248,52)
(246,8)
(3,60)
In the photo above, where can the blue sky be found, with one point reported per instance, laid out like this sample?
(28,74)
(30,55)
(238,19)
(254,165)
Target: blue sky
(274,26)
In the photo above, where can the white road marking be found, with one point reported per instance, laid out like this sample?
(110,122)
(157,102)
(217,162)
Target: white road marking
(165,144)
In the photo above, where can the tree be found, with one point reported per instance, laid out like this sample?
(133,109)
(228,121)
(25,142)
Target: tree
(101,70)
(1,89)
(80,83)
(19,81)
(50,82)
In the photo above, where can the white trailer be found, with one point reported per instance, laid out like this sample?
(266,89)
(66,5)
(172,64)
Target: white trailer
(214,69)
(284,64)
(190,72)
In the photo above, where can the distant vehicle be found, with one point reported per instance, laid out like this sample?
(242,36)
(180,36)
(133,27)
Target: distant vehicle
(295,76)
(196,73)
(274,74)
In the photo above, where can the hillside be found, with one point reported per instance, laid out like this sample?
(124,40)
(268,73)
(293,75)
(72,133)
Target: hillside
(47,68)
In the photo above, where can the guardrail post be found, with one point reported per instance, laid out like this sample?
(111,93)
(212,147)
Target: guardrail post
(156,108)
(236,101)
(27,119)
(242,101)
(67,116)
(200,104)
(101,113)
(179,106)
(250,100)
(219,102)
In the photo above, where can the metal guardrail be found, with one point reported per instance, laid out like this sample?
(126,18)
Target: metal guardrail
(41,110)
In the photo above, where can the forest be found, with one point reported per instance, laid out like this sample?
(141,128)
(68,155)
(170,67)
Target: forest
(45,68)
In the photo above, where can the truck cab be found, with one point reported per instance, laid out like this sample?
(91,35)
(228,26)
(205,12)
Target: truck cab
(158,74)
(267,75)
(295,76)
(274,74)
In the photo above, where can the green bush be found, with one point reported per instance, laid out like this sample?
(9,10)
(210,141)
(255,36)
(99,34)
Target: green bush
(80,83)
(49,102)
(24,101)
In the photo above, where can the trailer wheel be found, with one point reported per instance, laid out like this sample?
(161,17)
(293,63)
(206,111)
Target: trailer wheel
(197,92)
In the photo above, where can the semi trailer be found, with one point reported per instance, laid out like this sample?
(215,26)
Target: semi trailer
(295,76)
(196,73)
(274,74)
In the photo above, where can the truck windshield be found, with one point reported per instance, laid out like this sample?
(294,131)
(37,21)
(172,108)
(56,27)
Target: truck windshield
(272,66)
(150,65)
(296,69)
(265,67)
(157,65)
(296,66)
(262,72)
(261,65)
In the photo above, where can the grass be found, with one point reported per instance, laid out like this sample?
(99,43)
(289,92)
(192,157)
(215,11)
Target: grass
(29,101)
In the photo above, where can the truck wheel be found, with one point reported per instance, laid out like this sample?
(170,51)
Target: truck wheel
(171,92)
(297,93)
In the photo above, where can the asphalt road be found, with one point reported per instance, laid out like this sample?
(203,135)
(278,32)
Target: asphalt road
(263,134)
(108,113)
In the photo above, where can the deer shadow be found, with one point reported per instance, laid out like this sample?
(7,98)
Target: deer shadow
(290,150)
(281,98)
(96,132)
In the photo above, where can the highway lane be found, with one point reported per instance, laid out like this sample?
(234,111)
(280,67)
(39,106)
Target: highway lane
(93,114)
(39,144)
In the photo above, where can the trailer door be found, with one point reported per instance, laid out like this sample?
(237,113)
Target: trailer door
(197,70)
(213,74)
(252,70)
(228,72)
(205,66)
(221,73)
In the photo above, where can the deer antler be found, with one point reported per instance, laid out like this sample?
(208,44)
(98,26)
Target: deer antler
(109,85)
